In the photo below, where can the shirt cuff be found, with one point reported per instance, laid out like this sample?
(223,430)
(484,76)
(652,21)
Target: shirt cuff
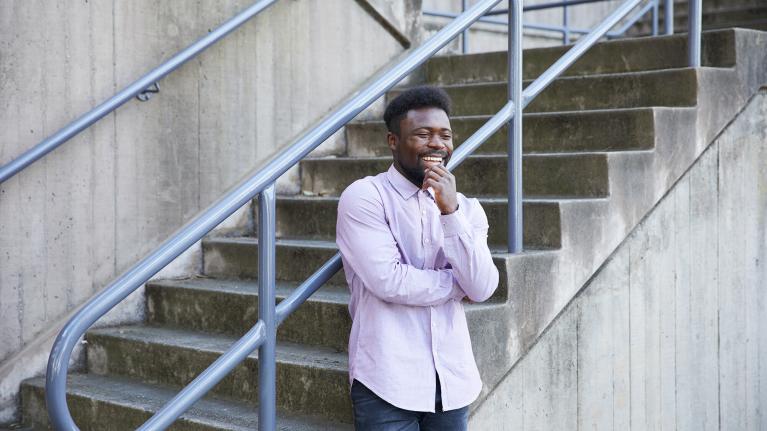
(454,223)
(447,279)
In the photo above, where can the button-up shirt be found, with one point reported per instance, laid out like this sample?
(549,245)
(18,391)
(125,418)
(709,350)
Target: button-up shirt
(408,267)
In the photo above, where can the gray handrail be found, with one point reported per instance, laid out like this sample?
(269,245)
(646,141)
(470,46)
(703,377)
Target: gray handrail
(217,212)
(86,120)
(262,335)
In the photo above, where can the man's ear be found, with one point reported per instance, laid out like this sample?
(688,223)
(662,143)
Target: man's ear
(391,140)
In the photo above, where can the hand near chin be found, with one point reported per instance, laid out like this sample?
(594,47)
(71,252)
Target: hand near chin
(443,183)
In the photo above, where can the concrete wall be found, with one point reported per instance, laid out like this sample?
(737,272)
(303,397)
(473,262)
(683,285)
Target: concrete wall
(670,332)
(75,220)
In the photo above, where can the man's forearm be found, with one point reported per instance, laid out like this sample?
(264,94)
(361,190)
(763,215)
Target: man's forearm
(467,251)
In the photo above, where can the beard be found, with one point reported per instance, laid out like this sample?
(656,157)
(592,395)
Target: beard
(415,174)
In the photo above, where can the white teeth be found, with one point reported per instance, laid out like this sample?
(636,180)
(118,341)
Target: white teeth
(433,159)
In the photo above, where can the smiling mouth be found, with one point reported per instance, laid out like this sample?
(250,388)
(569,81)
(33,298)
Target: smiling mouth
(432,159)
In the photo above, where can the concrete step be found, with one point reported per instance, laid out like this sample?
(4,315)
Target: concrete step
(231,307)
(196,304)
(545,175)
(237,258)
(616,56)
(548,132)
(310,380)
(315,218)
(609,91)
(117,403)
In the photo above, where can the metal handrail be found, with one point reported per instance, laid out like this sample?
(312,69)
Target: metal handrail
(140,85)
(263,334)
(565,29)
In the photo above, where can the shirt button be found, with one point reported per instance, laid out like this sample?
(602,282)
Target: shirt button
(426,240)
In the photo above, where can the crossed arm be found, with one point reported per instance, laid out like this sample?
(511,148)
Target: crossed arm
(370,250)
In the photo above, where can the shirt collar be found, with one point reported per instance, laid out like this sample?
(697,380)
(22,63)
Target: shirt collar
(402,185)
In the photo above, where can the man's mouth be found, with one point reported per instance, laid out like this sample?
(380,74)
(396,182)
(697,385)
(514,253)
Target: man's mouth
(432,159)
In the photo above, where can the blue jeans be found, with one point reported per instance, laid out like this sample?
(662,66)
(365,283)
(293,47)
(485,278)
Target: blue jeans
(371,413)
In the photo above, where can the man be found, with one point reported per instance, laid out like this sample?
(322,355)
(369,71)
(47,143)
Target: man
(412,249)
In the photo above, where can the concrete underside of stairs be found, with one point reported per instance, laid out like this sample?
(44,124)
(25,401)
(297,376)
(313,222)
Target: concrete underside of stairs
(583,216)
(541,285)
(669,333)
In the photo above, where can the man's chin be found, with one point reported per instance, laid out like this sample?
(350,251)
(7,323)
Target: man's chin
(416,177)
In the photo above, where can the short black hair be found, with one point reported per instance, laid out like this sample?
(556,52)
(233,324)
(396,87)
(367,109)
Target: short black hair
(425,96)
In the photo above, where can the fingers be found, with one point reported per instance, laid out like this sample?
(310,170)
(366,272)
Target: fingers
(429,182)
(439,170)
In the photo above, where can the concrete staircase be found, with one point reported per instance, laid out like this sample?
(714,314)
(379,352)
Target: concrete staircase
(717,14)
(602,145)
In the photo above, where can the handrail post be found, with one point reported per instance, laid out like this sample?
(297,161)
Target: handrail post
(565,26)
(514,160)
(694,21)
(267,386)
(655,7)
(668,24)
(465,34)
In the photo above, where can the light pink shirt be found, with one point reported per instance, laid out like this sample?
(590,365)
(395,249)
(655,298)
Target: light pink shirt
(408,267)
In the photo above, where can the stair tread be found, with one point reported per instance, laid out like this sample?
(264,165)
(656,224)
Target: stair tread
(482,199)
(286,352)
(475,156)
(210,411)
(316,243)
(672,71)
(539,114)
(327,293)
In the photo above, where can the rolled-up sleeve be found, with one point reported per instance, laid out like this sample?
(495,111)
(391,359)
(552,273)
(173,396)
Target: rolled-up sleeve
(370,250)
(466,250)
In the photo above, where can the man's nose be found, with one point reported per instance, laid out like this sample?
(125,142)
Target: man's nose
(435,141)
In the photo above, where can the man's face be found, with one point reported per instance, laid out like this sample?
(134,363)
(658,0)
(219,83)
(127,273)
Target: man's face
(425,139)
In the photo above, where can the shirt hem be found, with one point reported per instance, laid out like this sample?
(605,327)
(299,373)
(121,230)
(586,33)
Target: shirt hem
(377,391)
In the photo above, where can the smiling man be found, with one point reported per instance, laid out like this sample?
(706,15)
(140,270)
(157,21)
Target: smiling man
(412,249)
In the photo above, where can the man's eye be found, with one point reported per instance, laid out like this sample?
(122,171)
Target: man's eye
(423,135)
(446,137)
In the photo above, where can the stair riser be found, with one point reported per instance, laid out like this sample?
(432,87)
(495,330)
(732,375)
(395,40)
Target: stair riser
(566,176)
(317,220)
(616,57)
(241,261)
(314,323)
(228,260)
(568,132)
(95,415)
(572,94)
(319,391)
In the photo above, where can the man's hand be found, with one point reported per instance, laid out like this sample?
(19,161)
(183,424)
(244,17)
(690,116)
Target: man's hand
(443,182)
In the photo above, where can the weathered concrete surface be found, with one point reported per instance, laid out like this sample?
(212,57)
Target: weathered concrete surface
(563,175)
(129,404)
(548,132)
(669,332)
(78,218)
(310,380)
(615,56)
(315,218)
